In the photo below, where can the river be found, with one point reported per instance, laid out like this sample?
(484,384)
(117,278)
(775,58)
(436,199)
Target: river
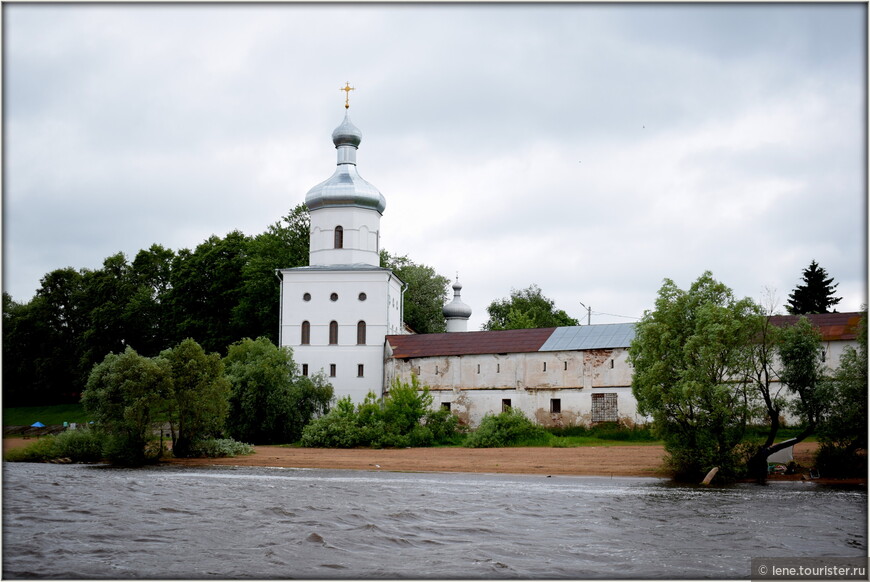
(91,521)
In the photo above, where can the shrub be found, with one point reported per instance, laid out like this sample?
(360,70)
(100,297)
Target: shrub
(79,446)
(213,448)
(504,430)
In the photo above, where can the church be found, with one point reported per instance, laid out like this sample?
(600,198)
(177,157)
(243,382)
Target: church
(342,315)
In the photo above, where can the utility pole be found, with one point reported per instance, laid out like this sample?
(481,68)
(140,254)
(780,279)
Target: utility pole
(588,314)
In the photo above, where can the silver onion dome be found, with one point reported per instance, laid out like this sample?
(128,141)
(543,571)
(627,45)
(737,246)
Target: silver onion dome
(456,308)
(346,187)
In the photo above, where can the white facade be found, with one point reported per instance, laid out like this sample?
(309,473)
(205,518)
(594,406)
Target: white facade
(362,305)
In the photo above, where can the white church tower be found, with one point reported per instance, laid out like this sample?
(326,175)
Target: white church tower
(336,312)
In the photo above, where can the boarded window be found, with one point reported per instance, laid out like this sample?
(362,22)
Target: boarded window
(505,404)
(339,237)
(555,405)
(604,408)
(361,333)
(306,333)
(333,333)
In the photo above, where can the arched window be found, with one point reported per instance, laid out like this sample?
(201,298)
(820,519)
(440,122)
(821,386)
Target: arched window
(361,333)
(333,333)
(339,237)
(306,333)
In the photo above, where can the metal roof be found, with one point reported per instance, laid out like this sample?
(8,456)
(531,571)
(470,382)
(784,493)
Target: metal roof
(590,337)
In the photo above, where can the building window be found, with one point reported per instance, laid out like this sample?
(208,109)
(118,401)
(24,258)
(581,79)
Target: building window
(332,370)
(445,406)
(339,237)
(566,365)
(611,364)
(436,368)
(505,404)
(306,333)
(545,366)
(478,368)
(604,408)
(498,368)
(304,369)
(333,333)
(360,369)
(362,296)
(333,297)
(306,297)
(361,333)
(823,355)
(555,405)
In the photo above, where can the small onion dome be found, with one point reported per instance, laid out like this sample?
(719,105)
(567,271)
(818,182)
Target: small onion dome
(456,309)
(346,187)
(346,134)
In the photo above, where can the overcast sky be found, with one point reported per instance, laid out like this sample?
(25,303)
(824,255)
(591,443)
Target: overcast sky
(593,150)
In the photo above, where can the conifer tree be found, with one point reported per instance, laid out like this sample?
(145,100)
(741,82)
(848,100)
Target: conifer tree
(815,295)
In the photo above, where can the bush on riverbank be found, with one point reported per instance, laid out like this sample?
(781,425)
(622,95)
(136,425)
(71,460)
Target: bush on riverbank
(79,446)
(510,428)
(402,419)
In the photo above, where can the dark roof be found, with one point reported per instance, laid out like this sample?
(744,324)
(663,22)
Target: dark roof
(833,326)
(510,341)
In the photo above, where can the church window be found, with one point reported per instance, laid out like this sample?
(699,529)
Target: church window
(361,333)
(566,365)
(333,333)
(545,366)
(306,297)
(332,370)
(498,368)
(611,364)
(306,333)
(362,296)
(333,297)
(339,237)
(478,368)
(505,404)
(360,368)
(555,405)
(304,369)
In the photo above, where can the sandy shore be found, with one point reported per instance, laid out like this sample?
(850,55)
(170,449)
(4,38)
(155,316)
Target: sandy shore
(605,461)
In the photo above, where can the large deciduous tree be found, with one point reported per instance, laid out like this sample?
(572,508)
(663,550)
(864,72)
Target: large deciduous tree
(815,295)
(270,402)
(127,396)
(525,309)
(689,356)
(199,400)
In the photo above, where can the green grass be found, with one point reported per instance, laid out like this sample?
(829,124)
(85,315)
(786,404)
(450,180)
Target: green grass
(58,414)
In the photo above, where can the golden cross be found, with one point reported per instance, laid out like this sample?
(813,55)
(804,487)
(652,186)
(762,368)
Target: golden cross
(347,89)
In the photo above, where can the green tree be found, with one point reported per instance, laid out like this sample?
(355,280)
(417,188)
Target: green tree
(199,400)
(842,428)
(786,372)
(149,324)
(425,295)
(207,286)
(690,357)
(127,396)
(270,402)
(815,295)
(526,309)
